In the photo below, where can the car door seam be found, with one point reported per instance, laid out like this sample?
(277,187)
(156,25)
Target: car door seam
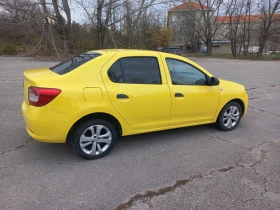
(171,99)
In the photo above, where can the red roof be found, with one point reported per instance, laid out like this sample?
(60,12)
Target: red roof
(188,5)
(243,18)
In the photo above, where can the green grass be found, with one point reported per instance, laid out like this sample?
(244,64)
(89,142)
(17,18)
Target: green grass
(241,56)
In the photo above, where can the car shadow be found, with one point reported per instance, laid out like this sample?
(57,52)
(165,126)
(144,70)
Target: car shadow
(64,152)
(165,136)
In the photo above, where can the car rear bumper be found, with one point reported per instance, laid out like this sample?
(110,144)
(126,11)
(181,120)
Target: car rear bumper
(46,125)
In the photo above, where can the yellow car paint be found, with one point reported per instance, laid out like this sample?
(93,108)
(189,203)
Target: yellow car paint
(88,90)
(93,94)
(148,105)
(191,108)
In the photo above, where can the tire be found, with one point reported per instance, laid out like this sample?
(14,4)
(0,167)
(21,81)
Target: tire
(87,141)
(229,116)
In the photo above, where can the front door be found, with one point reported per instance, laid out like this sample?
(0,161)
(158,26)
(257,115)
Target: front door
(193,100)
(138,90)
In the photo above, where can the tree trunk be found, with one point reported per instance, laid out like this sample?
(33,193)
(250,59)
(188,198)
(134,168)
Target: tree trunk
(99,23)
(134,24)
(66,46)
(248,29)
(102,26)
(262,44)
(68,26)
(268,8)
(48,23)
(103,38)
(209,47)
(233,48)
(64,29)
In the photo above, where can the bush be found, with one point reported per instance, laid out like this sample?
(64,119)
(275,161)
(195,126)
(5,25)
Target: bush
(9,49)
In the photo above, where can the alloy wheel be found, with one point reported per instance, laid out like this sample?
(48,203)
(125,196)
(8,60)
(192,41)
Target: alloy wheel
(231,116)
(95,140)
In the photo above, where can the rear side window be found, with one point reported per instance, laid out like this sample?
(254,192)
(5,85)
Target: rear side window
(135,70)
(73,63)
(115,72)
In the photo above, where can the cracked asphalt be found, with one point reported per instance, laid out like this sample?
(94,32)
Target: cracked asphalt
(190,168)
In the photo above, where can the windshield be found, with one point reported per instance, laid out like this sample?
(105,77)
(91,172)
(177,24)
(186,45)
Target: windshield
(73,63)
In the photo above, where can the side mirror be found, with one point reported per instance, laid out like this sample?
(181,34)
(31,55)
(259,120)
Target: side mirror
(214,81)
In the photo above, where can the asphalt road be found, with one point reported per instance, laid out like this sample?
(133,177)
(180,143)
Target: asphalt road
(191,168)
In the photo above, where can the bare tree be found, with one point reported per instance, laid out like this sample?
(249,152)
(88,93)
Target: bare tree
(206,24)
(102,15)
(48,23)
(29,16)
(19,13)
(268,9)
(246,33)
(235,16)
(64,27)
(99,12)
(240,25)
(45,23)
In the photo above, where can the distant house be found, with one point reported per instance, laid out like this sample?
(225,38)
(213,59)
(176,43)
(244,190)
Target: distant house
(254,23)
(182,20)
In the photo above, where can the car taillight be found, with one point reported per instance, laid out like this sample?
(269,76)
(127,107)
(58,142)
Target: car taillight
(41,96)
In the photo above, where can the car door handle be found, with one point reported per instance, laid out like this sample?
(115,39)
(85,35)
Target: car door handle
(122,96)
(179,95)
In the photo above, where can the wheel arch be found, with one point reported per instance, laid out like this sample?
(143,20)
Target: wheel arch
(240,102)
(98,115)
(237,100)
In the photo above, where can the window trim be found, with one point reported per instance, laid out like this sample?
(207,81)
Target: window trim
(206,76)
(123,76)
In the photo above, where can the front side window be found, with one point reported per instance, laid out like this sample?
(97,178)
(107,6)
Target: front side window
(73,63)
(135,70)
(185,74)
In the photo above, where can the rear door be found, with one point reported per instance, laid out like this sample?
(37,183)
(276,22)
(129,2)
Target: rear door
(137,87)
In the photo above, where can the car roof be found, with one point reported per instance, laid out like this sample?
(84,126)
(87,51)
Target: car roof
(113,51)
(106,51)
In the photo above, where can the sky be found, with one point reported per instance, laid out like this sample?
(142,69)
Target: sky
(79,15)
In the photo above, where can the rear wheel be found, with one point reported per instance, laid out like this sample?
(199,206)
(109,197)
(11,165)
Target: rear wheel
(94,138)
(229,117)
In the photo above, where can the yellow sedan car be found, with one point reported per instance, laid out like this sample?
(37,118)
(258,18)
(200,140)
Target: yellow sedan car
(93,98)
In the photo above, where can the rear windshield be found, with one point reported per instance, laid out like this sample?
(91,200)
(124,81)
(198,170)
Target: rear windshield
(73,63)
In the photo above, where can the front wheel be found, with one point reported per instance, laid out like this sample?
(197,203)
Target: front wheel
(94,138)
(229,117)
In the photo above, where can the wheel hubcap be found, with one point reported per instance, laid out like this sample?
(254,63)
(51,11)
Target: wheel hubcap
(95,139)
(231,116)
